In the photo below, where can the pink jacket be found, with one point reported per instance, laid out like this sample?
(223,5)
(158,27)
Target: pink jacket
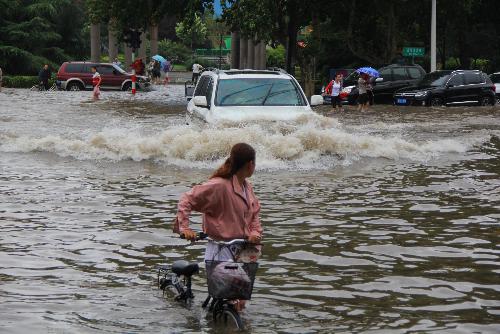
(227,214)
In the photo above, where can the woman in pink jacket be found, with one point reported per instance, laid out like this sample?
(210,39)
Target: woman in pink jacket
(227,201)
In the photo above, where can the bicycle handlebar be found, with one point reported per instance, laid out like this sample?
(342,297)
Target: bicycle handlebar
(203,236)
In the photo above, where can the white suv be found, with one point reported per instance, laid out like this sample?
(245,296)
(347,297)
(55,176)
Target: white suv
(246,95)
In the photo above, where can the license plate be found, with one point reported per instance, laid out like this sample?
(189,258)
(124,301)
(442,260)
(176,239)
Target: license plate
(401,101)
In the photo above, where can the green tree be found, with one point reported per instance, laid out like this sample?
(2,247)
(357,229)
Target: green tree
(191,32)
(31,34)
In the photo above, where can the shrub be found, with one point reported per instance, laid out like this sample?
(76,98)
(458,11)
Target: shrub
(276,57)
(22,81)
(173,51)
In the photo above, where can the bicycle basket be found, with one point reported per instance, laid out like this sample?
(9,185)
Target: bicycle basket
(230,280)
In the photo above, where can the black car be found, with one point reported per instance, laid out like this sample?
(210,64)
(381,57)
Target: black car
(392,78)
(462,87)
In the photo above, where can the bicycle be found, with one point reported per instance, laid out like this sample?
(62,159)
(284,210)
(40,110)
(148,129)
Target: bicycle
(41,87)
(221,291)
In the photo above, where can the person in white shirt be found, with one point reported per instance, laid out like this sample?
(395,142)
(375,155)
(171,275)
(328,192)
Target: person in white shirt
(197,68)
(336,88)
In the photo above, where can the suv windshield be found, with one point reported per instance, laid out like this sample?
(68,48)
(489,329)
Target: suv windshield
(434,79)
(258,92)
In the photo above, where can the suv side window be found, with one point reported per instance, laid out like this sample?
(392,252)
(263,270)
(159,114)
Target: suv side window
(201,88)
(74,68)
(456,80)
(103,69)
(210,88)
(414,73)
(472,78)
(386,74)
(399,73)
(495,78)
(87,68)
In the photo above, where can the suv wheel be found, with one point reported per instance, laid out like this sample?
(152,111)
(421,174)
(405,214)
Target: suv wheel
(497,100)
(436,102)
(127,86)
(74,86)
(487,101)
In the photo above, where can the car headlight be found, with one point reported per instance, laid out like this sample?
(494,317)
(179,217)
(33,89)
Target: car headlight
(347,90)
(422,94)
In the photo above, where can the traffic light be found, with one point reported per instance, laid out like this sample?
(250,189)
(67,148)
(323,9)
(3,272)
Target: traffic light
(132,38)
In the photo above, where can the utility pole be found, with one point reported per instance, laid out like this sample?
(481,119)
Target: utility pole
(433,37)
(132,38)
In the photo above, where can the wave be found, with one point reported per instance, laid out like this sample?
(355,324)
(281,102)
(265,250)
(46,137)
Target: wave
(310,142)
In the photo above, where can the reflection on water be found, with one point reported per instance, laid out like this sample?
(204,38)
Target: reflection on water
(380,223)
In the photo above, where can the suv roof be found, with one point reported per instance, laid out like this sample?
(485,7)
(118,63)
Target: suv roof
(86,62)
(246,73)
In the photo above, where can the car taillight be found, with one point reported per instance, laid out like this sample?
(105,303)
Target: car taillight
(493,88)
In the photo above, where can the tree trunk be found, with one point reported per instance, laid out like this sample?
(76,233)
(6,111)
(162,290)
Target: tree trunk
(154,40)
(250,53)
(235,49)
(263,55)
(256,55)
(95,42)
(390,35)
(243,53)
(128,57)
(112,41)
(291,48)
(142,48)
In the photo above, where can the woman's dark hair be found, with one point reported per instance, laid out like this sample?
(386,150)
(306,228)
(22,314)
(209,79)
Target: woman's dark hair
(241,153)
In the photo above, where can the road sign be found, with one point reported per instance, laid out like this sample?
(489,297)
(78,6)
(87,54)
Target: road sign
(410,51)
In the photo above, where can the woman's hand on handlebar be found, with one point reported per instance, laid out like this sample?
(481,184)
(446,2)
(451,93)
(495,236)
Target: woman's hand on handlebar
(189,234)
(254,239)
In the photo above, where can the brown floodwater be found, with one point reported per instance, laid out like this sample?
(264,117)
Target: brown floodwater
(382,222)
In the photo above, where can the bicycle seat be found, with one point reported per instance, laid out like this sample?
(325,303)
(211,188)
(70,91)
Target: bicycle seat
(182,267)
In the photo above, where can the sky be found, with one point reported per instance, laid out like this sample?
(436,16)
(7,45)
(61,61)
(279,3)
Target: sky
(217,8)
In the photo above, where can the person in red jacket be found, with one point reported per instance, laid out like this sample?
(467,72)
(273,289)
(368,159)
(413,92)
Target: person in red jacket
(138,66)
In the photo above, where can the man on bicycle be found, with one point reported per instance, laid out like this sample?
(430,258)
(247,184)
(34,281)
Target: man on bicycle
(44,76)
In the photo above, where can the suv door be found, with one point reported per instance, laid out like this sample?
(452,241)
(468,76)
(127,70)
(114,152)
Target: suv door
(87,74)
(202,90)
(455,91)
(383,90)
(400,79)
(107,75)
(474,83)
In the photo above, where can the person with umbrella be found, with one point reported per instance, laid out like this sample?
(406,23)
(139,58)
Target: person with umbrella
(158,65)
(364,85)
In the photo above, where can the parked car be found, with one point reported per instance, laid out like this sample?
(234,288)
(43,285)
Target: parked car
(392,78)
(78,76)
(495,77)
(462,87)
(245,95)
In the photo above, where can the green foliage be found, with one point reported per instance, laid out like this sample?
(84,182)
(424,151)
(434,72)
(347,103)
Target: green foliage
(22,81)
(276,56)
(174,51)
(481,64)
(191,32)
(452,63)
(31,34)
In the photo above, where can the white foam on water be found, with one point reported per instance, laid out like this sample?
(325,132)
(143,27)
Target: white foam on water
(309,143)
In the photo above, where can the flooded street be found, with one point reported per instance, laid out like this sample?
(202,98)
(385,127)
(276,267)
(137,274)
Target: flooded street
(384,222)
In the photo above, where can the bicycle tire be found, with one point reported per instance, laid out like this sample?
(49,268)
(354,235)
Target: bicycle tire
(229,315)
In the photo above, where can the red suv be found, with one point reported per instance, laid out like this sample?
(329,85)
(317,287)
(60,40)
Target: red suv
(78,76)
